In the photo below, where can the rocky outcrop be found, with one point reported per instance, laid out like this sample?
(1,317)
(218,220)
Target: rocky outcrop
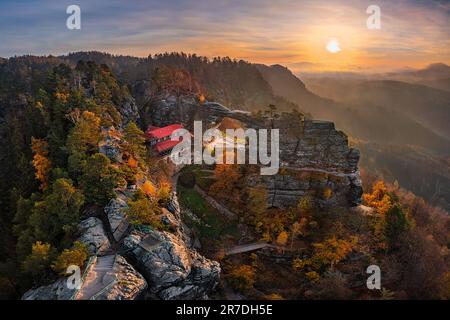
(125,284)
(315,144)
(128,284)
(129,110)
(325,189)
(169,110)
(93,235)
(203,278)
(109,145)
(118,220)
(55,291)
(315,161)
(172,270)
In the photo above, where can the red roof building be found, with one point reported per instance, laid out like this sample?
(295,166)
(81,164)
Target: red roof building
(159,138)
(160,133)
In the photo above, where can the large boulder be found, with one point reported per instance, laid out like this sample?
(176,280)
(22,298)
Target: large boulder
(203,278)
(172,270)
(94,236)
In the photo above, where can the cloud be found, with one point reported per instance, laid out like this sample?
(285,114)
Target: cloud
(266,31)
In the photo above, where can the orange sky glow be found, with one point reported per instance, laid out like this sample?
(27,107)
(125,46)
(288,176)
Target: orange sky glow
(413,34)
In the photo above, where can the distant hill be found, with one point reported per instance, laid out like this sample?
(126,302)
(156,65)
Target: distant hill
(427,106)
(431,72)
(436,75)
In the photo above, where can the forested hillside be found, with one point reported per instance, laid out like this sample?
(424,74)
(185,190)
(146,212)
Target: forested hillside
(234,83)
(52,174)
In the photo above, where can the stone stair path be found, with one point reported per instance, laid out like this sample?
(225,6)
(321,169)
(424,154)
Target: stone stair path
(98,278)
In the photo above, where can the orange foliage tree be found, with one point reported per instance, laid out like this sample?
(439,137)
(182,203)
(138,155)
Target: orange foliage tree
(379,198)
(41,162)
(327,254)
(149,189)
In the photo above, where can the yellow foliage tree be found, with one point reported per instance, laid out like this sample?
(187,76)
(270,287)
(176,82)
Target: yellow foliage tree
(327,193)
(61,96)
(132,162)
(149,188)
(298,264)
(332,251)
(41,162)
(144,211)
(225,174)
(326,254)
(75,256)
(274,296)
(379,198)
(226,178)
(305,205)
(163,193)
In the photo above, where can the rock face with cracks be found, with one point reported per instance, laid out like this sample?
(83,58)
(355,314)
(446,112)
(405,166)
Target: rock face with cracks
(128,285)
(117,217)
(93,235)
(172,269)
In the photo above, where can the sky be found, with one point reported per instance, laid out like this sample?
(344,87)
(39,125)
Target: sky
(294,33)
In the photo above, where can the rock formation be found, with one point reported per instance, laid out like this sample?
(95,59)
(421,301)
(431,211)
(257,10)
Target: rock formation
(129,110)
(55,291)
(315,161)
(172,269)
(128,285)
(93,235)
(117,218)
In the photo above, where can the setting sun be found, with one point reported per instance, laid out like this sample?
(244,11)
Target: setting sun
(333,46)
